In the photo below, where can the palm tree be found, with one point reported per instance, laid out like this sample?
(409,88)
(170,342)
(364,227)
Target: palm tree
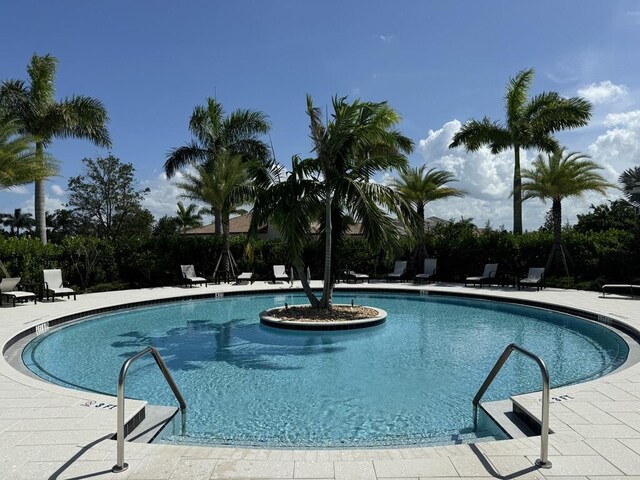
(529,124)
(356,143)
(18,220)
(630,179)
(558,177)
(215,135)
(420,186)
(188,217)
(40,115)
(18,163)
(224,184)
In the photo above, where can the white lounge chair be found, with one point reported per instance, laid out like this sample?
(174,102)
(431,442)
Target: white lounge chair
(535,278)
(490,270)
(429,271)
(280,273)
(8,290)
(399,270)
(622,288)
(350,275)
(54,286)
(189,276)
(245,277)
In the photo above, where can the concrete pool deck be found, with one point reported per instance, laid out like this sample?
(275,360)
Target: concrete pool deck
(47,431)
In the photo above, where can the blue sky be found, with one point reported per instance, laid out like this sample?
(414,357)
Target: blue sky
(438,63)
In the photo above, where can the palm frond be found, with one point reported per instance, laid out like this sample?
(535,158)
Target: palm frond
(18,162)
(630,179)
(563,175)
(42,74)
(516,95)
(80,117)
(180,157)
(475,134)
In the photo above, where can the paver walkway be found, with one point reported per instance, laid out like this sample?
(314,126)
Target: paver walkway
(48,431)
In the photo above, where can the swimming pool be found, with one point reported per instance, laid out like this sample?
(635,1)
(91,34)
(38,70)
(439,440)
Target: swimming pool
(408,381)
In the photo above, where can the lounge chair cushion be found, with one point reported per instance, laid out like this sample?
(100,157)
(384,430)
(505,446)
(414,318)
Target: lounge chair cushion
(280,272)
(534,278)
(429,270)
(245,276)
(9,284)
(350,274)
(399,269)
(20,296)
(189,275)
(54,285)
(489,273)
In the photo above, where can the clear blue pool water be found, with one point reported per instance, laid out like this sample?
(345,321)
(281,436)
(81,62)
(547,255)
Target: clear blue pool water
(408,381)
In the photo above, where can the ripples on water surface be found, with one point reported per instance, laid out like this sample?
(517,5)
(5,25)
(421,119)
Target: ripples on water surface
(410,380)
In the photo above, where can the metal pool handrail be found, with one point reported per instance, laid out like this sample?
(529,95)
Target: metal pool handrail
(120,466)
(543,461)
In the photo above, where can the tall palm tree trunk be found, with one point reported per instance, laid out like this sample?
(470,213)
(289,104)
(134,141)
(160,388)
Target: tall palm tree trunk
(217,222)
(557,248)
(302,273)
(517,193)
(225,245)
(556,212)
(41,221)
(420,247)
(326,300)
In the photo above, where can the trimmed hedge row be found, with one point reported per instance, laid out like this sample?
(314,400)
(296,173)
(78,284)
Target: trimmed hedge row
(92,264)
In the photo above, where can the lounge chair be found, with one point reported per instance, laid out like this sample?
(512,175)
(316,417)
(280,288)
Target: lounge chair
(280,273)
(399,270)
(8,290)
(350,275)
(490,270)
(622,288)
(245,277)
(189,276)
(54,286)
(535,278)
(429,271)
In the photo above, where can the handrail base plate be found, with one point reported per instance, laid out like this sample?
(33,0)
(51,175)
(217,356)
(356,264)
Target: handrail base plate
(118,469)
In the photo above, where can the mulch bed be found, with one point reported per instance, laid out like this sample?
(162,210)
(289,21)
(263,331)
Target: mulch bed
(342,313)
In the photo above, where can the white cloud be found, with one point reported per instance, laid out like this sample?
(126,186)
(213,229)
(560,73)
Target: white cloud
(488,178)
(51,204)
(633,17)
(603,92)
(57,190)
(623,119)
(163,196)
(618,148)
(387,38)
(19,190)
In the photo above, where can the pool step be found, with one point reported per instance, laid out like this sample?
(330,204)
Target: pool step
(507,415)
(154,419)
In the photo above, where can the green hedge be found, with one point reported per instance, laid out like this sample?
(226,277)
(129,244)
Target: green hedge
(92,264)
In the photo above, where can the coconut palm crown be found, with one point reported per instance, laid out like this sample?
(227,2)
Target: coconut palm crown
(188,217)
(331,188)
(630,180)
(421,186)
(529,124)
(224,184)
(216,134)
(34,106)
(559,176)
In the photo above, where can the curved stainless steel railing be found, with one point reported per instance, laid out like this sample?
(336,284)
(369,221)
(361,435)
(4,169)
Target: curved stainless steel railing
(120,465)
(543,461)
